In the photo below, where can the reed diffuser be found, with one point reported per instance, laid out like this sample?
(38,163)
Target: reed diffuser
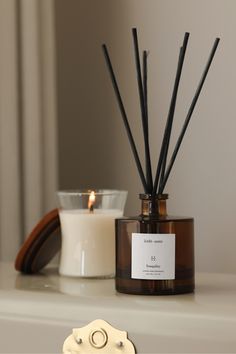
(154,251)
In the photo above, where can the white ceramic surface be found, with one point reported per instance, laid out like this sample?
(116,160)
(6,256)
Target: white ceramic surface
(38,312)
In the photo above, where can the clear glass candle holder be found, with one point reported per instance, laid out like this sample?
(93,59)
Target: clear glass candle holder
(88,231)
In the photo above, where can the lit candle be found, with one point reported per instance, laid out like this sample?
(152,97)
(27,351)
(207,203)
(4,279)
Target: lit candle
(88,236)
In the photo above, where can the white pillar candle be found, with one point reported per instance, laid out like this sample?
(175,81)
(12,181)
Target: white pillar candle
(88,242)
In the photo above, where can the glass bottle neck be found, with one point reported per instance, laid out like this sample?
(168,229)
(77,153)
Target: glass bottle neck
(153,205)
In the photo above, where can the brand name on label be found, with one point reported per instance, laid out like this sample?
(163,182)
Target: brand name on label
(152,241)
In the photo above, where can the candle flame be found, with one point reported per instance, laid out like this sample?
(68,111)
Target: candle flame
(91,201)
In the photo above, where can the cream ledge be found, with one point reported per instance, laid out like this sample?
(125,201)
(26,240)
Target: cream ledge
(41,311)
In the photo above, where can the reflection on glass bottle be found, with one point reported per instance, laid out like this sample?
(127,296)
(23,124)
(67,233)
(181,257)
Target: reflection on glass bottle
(154,251)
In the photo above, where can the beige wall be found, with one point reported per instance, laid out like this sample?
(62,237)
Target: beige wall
(93,146)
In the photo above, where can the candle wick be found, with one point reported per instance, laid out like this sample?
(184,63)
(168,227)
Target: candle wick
(91,208)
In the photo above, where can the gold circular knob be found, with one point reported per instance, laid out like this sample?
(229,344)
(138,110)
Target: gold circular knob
(98,338)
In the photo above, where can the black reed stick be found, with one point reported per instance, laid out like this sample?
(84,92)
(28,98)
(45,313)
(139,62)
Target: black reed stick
(124,116)
(168,127)
(170,118)
(145,94)
(143,112)
(145,89)
(188,117)
(173,103)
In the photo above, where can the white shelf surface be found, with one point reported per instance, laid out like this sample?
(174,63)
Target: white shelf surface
(42,310)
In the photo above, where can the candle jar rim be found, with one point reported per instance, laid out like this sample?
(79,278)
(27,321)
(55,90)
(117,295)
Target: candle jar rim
(87,192)
(77,199)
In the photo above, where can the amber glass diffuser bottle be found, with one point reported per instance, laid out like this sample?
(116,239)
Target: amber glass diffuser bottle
(154,251)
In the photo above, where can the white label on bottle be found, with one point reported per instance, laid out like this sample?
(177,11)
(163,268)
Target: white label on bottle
(153,256)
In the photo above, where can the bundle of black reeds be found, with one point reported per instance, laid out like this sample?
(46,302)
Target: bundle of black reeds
(163,169)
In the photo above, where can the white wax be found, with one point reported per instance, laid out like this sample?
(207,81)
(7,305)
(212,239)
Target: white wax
(88,242)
